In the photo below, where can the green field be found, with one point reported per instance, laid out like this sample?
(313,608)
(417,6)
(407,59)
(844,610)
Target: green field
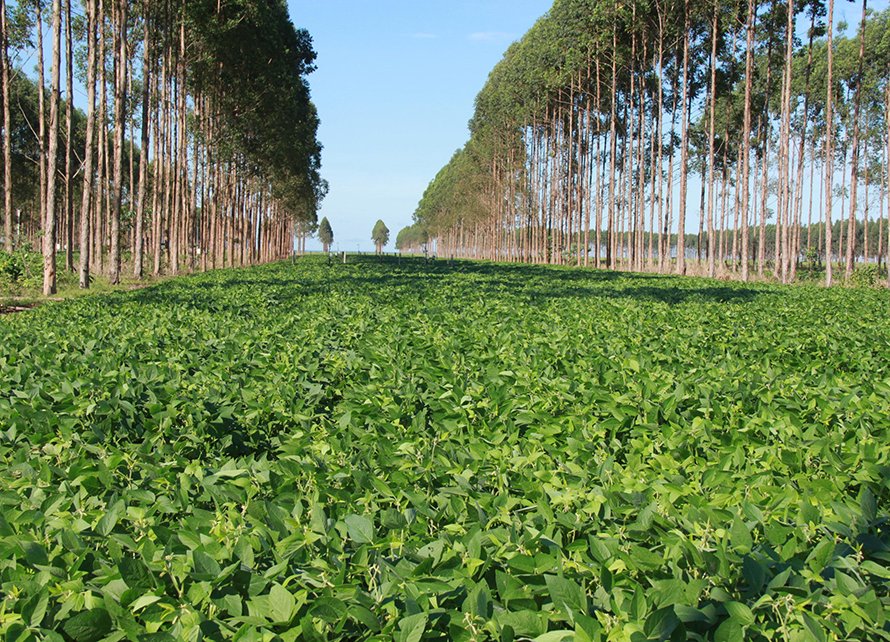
(411,451)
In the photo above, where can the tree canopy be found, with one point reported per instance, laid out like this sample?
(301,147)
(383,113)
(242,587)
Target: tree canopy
(380,235)
(592,136)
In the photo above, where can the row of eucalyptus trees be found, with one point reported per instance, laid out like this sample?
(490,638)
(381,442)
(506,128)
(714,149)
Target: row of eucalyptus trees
(197,148)
(611,123)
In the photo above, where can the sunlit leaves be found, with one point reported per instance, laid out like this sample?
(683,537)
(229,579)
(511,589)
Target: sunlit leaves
(410,450)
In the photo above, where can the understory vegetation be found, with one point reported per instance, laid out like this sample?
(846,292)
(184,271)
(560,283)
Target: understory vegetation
(412,450)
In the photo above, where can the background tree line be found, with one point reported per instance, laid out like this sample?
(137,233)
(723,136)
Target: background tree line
(196,146)
(587,133)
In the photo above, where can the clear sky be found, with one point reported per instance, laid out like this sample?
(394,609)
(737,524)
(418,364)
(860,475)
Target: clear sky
(394,88)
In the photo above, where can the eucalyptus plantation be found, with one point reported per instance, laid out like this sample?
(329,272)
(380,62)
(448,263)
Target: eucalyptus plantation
(196,147)
(605,111)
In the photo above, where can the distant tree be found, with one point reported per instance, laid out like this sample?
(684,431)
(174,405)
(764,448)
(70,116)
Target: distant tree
(325,234)
(380,235)
(412,238)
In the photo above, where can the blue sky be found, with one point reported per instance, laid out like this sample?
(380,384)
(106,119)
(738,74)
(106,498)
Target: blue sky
(394,88)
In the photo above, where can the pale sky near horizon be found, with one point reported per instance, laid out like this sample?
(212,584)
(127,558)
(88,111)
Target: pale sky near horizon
(395,86)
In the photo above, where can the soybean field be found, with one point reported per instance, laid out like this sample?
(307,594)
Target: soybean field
(417,451)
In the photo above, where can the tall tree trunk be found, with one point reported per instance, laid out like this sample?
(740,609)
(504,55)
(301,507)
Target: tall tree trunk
(139,248)
(712,265)
(684,146)
(69,143)
(782,245)
(49,233)
(610,250)
(85,208)
(7,134)
(798,208)
(41,119)
(746,136)
(854,179)
(829,135)
(887,174)
(119,26)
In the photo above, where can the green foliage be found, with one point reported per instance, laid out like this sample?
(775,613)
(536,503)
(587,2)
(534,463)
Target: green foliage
(411,451)
(866,276)
(412,237)
(255,63)
(21,269)
(325,233)
(380,235)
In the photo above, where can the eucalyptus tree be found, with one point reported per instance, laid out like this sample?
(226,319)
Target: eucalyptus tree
(413,238)
(7,122)
(325,234)
(50,220)
(380,235)
(829,138)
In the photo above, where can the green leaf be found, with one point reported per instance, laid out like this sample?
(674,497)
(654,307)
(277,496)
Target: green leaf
(205,565)
(729,631)
(741,538)
(524,623)
(566,595)
(740,613)
(814,628)
(661,623)
(135,573)
(282,604)
(109,520)
(360,529)
(143,601)
(35,554)
(88,626)
(556,636)
(411,628)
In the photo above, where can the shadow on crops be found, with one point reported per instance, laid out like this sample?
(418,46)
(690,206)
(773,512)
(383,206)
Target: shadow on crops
(390,280)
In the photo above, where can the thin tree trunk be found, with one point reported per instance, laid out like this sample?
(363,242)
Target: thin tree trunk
(854,179)
(85,208)
(684,146)
(49,234)
(7,135)
(139,248)
(712,265)
(119,24)
(829,135)
(69,133)
(746,136)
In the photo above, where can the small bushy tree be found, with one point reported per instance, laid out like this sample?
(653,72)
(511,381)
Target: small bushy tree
(380,236)
(325,234)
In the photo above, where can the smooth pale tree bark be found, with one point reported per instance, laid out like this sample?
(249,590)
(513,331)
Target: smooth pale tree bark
(69,143)
(829,136)
(139,246)
(7,135)
(684,147)
(798,207)
(41,119)
(712,264)
(746,135)
(86,203)
(854,178)
(782,244)
(49,234)
(610,251)
(119,27)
